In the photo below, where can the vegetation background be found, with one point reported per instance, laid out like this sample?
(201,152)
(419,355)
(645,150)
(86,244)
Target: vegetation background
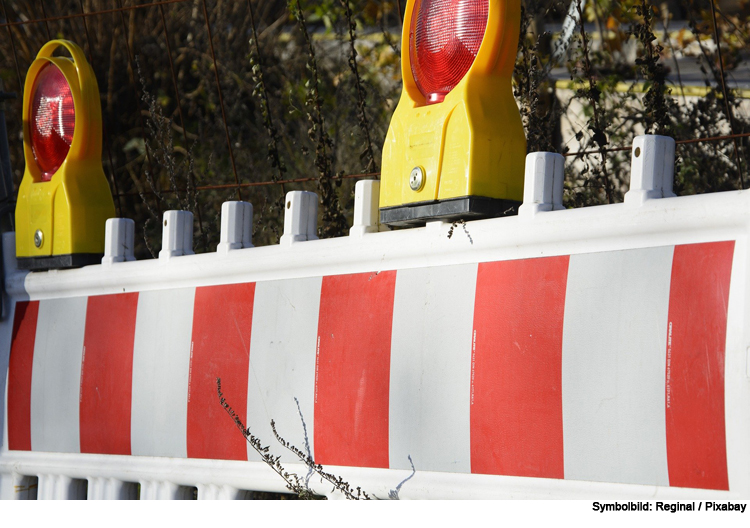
(216,93)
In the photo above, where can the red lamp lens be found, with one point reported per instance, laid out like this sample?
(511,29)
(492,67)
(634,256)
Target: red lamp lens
(53,120)
(445,40)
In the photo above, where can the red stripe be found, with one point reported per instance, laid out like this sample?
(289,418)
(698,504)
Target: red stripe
(19,375)
(516,399)
(696,340)
(107,374)
(222,325)
(353,369)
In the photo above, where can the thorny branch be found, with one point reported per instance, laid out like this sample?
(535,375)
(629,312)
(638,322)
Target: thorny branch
(367,154)
(293,482)
(261,91)
(338,482)
(657,107)
(334,221)
(592,93)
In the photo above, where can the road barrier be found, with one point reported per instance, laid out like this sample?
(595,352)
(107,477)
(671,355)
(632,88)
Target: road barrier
(594,352)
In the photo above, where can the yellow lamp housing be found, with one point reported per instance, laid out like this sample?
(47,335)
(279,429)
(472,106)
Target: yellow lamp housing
(455,151)
(64,198)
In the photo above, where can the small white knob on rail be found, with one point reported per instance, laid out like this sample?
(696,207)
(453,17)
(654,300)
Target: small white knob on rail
(543,183)
(300,217)
(652,169)
(119,240)
(177,234)
(366,202)
(236,226)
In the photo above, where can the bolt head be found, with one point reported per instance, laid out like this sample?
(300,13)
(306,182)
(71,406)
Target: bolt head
(38,238)
(416,178)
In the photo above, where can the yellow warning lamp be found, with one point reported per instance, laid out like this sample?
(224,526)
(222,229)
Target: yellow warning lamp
(64,199)
(455,147)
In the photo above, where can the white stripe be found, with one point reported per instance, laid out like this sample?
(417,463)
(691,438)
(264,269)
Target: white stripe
(613,366)
(737,372)
(56,375)
(282,363)
(161,364)
(6,340)
(433,318)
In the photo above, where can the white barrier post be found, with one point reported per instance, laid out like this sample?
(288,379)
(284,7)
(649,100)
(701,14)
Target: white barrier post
(177,234)
(366,212)
(652,169)
(236,226)
(119,240)
(543,183)
(300,217)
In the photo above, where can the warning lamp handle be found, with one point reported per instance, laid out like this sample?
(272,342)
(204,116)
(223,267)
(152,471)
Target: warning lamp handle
(75,51)
(83,68)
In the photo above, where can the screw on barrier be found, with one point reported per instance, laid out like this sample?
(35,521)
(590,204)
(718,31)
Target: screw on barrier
(416,179)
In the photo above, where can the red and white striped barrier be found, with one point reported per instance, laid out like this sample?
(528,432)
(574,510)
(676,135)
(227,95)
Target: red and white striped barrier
(606,354)
(601,366)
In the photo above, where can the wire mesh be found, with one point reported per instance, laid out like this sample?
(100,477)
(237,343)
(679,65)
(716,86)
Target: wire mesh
(14,24)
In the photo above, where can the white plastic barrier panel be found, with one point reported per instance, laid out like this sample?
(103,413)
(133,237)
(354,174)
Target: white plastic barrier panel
(558,354)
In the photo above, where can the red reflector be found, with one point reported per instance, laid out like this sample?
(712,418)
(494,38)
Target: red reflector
(53,120)
(444,41)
